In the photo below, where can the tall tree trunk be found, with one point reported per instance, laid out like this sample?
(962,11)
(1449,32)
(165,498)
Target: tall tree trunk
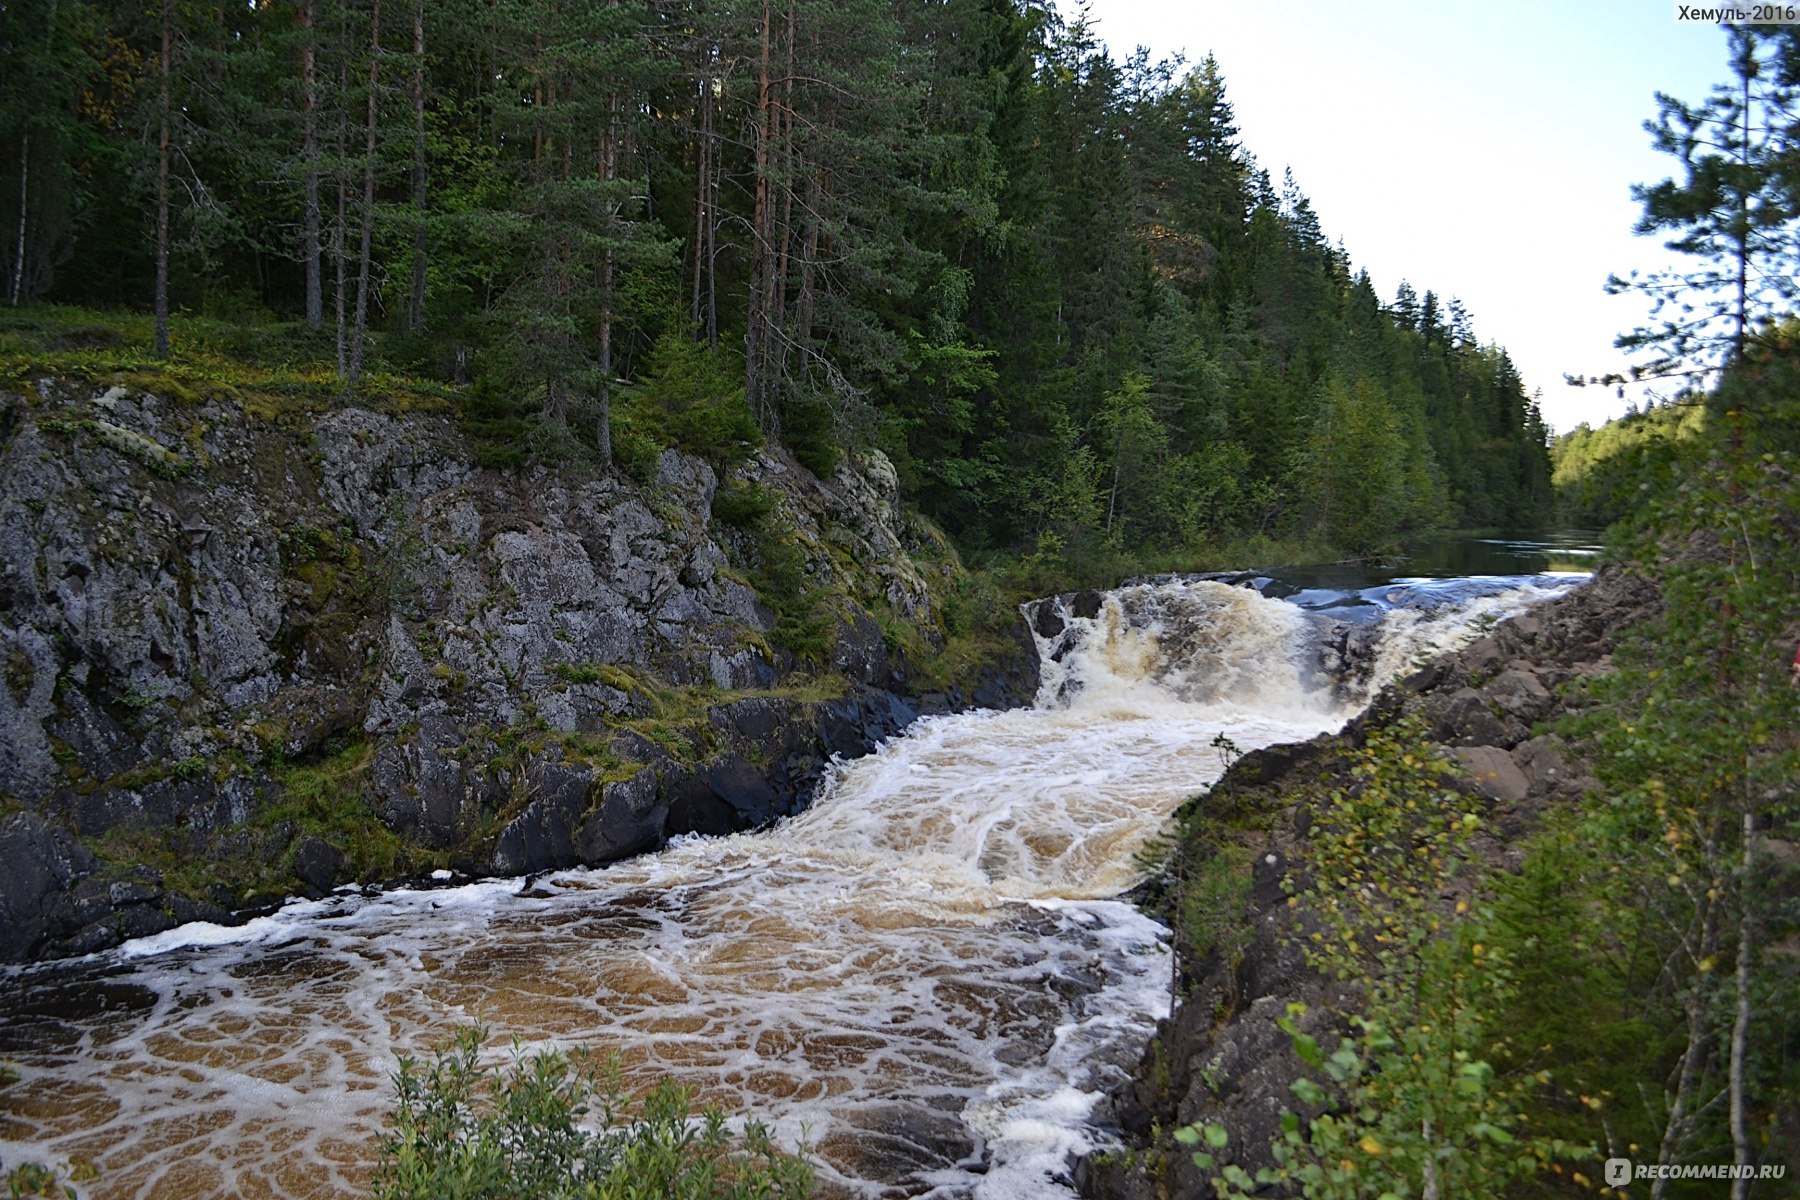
(712,216)
(1684,1108)
(701,218)
(340,234)
(17,290)
(1741,1154)
(1745,70)
(784,115)
(359,335)
(309,154)
(415,312)
(809,257)
(756,325)
(609,173)
(162,187)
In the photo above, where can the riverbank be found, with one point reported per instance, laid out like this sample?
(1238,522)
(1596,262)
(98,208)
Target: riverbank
(1221,1058)
(259,647)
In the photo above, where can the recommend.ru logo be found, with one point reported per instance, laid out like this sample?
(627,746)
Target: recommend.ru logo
(1620,1171)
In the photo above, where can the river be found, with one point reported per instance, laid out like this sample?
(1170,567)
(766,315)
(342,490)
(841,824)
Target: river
(924,976)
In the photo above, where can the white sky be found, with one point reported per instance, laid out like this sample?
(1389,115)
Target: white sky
(1484,151)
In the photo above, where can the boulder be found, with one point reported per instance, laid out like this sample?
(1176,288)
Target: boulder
(1521,694)
(1467,718)
(317,862)
(1492,772)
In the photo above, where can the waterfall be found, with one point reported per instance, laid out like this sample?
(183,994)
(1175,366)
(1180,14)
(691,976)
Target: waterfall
(924,976)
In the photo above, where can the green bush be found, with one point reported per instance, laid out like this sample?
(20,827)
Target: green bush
(465,1130)
(810,430)
(693,398)
(743,505)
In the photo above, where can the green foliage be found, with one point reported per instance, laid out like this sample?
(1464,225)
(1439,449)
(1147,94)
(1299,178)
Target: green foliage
(1602,475)
(744,504)
(1696,741)
(1412,1104)
(1052,285)
(1209,910)
(1733,210)
(692,398)
(1357,462)
(328,798)
(810,430)
(467,1130)
(49,1183)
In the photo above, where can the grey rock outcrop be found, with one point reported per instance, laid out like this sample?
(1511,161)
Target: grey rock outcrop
(203,608)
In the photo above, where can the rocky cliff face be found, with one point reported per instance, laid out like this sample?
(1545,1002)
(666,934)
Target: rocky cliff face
(1220,1058)
(249,651)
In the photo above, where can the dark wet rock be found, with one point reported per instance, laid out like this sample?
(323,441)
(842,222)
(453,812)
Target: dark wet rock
(737,781)
(630,819)
(1086,605)
(1425,678)
(694,807)
(101,746)
(38,866)
(141,921)
(133,891)
(419,790)
(91,939)
(193,603)
(1360,650)
(185,909)
(1469,718)
(908,1141)
(542,837)
(860,652)
(1271,763)
(318,863)
(756,719)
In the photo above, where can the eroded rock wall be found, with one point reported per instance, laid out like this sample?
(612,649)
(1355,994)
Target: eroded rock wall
(510,670)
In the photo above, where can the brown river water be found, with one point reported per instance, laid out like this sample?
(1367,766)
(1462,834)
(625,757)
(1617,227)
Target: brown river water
(924,977)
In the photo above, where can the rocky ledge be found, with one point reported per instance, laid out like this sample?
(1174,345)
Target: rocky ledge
(1219,1058)
(247,653)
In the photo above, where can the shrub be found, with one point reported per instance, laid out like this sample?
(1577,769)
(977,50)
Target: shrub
(692,398)
(465,1130)
(743,505)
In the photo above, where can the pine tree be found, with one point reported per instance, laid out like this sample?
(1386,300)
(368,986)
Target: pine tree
(1731,210)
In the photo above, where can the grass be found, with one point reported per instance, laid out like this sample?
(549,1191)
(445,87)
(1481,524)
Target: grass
(329,800)
(274,370)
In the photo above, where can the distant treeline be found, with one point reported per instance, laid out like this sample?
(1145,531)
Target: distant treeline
(1055,288)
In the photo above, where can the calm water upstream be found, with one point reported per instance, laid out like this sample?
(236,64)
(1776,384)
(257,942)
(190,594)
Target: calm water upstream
(923,975)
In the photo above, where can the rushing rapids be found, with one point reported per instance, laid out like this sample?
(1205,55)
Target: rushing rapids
(922,976)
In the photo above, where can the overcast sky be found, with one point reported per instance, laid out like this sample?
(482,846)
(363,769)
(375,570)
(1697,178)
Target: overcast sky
(1484,151)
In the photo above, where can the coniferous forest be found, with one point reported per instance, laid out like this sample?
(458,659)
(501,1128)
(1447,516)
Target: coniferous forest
(1541,900)
(1056,289)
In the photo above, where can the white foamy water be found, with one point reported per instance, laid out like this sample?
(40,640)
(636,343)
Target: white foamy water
(923,976)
